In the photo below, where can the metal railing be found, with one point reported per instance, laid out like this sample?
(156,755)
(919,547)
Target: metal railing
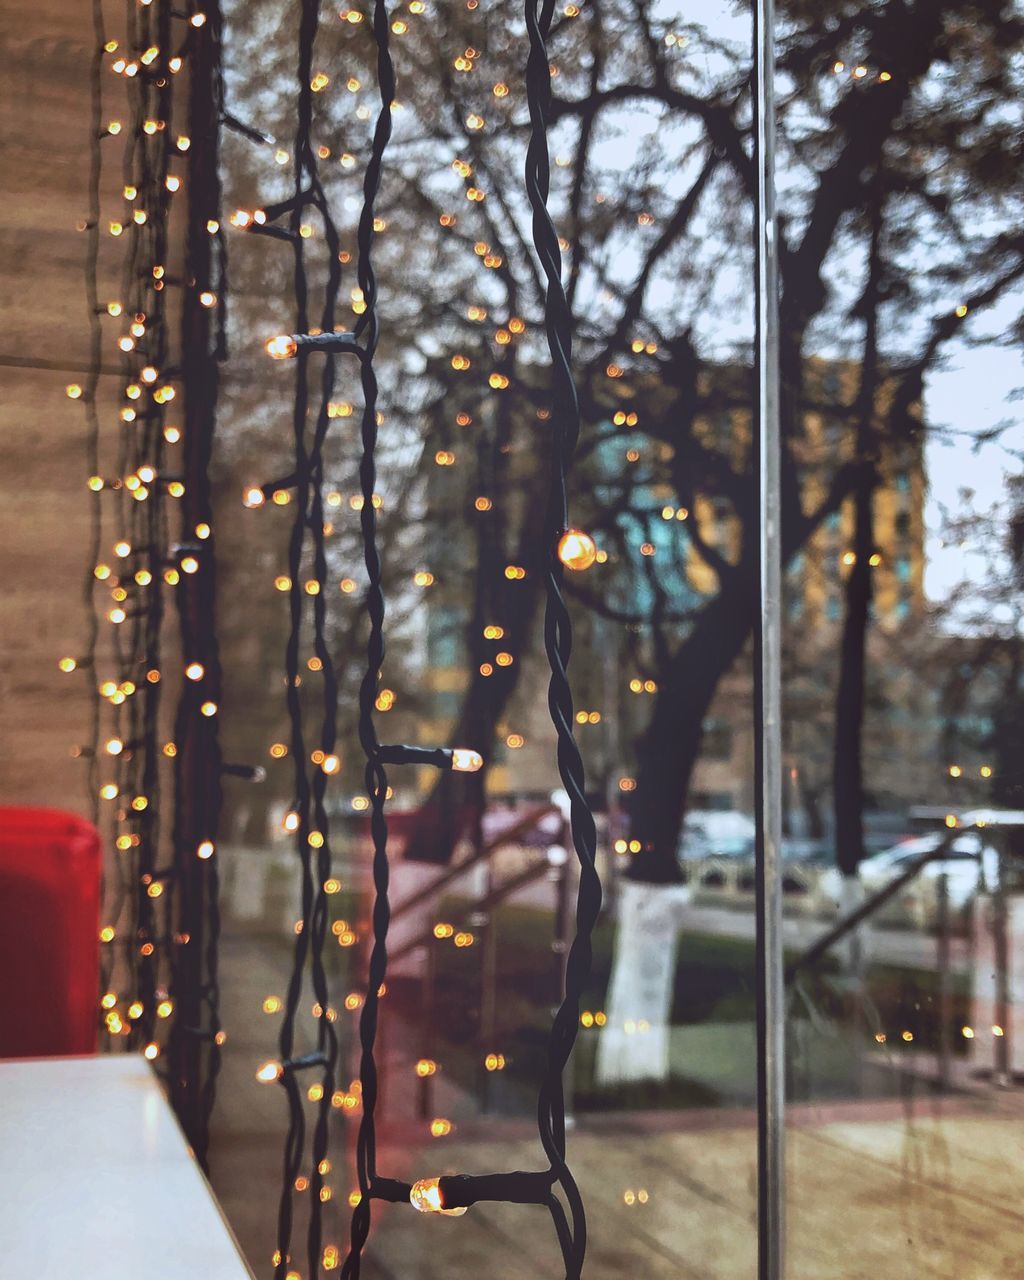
(478,912)
(1000,936)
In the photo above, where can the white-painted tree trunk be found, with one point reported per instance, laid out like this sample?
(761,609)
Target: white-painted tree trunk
(634,1043)
(853,951)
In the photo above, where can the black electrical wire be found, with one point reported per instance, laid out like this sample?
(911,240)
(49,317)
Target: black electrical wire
(195,1053)
(513,1187)
(376,781)
(309,804)
(309,817)
(565,425)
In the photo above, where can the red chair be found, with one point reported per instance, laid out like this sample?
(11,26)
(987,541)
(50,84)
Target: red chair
(50,869)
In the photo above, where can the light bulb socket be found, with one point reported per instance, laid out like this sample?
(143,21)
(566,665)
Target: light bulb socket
(246,130)
(249,772)
(333,343)
(439,757)
(458,759)
(303,1063)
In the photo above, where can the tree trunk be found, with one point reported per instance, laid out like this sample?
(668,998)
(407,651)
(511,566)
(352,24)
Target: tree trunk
(848,757)
(454,808)
(668,750)
(848,765)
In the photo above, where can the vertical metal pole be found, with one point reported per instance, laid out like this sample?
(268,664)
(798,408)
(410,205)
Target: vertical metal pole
(767,676)
(1002,957)
(945,987)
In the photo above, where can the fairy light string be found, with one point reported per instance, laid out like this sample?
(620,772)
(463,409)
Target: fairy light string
(563,545)
(376,780)
(197,1035)
(565,424)
(138,490)
(140,496)
(307,819)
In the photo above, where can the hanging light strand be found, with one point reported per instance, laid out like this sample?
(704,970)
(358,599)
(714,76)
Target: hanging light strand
(196,1036)
(453,1194)
(376,782)
(565,425)
(311,830)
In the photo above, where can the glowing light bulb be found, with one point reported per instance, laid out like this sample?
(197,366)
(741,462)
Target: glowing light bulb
(205,849)
(269,1072)
(73,391)
(426,1197)
(283,347)
(466,761)
(67,665)
(254,497)
(577,550)
(195,671)
(114,747)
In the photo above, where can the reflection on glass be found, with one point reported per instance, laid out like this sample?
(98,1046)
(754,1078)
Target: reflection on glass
(902,519)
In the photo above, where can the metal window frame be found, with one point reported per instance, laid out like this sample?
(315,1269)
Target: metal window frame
(770,980)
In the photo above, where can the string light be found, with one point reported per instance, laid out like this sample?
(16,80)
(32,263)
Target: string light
(425,1195)
(577,550)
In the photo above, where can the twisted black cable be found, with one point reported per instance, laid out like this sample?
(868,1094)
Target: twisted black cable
(375,775)
(152,521)
(565,422)
(327,1042)
(295,1138)
(310,801)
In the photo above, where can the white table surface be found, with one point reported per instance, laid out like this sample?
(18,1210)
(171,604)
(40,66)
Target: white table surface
(96,1180)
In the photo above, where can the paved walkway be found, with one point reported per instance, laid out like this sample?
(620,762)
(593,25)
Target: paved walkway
(918,1188)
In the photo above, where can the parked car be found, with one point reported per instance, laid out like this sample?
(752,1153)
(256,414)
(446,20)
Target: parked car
(714,833)
(968,863)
